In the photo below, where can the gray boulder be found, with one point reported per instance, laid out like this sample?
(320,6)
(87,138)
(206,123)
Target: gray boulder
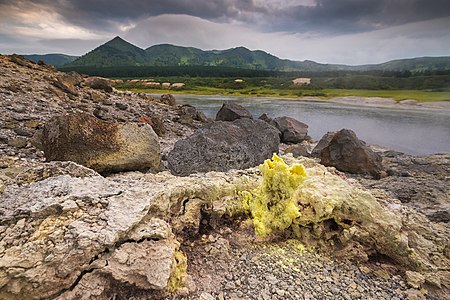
(105,147)
(221,146)
(265,117)
(324,141)
(347,153)
(231,111)
(292,130)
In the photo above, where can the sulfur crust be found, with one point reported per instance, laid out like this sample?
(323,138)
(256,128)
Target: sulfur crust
(273,204)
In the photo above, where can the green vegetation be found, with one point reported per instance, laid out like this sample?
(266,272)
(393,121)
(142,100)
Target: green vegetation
(278,87)
(118,53)
(262,74)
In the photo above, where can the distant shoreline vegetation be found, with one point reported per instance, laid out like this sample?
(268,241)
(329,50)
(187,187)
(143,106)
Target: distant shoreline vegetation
(222,80)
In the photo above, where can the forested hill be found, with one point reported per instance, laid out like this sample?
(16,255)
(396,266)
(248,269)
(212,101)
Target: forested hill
(120,53)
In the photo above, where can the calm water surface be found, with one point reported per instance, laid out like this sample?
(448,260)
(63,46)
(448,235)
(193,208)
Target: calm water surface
(413,131)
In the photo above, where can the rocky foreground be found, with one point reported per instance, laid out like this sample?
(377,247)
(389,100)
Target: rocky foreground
(92,204)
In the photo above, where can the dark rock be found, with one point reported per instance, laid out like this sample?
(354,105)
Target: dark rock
(347,153)
(103,146)
(98,83)
(231,111)
(324,141)
(188,114)
(22,132)
(168,99)
(292,131)
(102,113)
(265,117)
(121,106)
(155,122)
(200,116)
(221,146)
(298,150)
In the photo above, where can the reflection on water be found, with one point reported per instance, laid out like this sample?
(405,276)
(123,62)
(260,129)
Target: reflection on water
(415,131)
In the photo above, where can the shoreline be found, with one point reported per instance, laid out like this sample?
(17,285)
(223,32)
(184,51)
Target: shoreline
(380,102)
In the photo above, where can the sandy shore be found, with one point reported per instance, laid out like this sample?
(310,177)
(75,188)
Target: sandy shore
(389,102)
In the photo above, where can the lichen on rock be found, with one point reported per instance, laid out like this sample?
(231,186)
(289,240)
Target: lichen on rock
(273,203)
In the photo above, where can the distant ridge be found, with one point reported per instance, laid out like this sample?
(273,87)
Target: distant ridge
(54,59)
(119,53)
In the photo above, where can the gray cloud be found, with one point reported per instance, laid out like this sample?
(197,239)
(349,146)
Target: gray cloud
(326,16)
(323,30)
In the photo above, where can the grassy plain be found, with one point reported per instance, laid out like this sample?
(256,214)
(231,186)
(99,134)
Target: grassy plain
(276,87)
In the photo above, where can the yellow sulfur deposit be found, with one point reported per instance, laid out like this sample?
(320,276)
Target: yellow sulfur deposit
(273,204)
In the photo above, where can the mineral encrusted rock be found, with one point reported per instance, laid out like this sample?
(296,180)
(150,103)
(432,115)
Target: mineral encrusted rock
(101,234)
(336,214)
(58,234)
(103,146)
(221,146)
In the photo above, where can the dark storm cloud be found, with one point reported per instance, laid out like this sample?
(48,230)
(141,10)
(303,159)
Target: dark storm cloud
(350,16)
(326,16)
(102,13)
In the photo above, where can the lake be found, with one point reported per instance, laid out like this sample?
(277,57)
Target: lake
(412,131)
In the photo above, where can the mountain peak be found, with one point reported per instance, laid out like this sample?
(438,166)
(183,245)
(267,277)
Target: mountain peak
(118,41)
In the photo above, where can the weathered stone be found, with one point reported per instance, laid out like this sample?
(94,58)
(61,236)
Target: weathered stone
(347,153)
(87,238)
(102,146)
(414,279)
(18,142)
(168,99)
(121,106)
(292,131)
(231,111)
(222,146)
(324,141)
(21,61)
(298,150)
(156,123)
(67,83)
(265,117)
(188,114)
(98,83)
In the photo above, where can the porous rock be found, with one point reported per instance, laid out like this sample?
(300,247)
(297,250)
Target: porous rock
(292,130)
(90,237)
(347,153)
(103,146)
(231,111)
(221,146)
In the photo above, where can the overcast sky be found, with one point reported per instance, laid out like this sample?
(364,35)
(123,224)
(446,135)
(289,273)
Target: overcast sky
(327,31)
